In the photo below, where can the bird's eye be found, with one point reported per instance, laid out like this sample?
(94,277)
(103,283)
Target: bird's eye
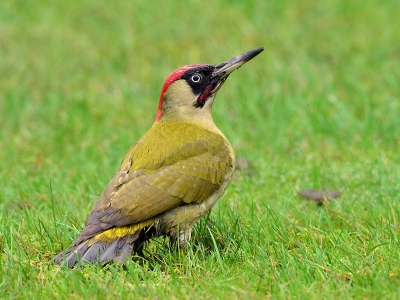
(196,78)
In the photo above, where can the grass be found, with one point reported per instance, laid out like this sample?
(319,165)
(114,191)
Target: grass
(319,108)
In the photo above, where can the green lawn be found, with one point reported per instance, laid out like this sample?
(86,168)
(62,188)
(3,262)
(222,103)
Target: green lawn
(319,108)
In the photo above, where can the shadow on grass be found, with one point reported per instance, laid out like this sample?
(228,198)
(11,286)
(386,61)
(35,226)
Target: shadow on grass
(211,240)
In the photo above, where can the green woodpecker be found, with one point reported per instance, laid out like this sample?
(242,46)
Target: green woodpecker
(170,177)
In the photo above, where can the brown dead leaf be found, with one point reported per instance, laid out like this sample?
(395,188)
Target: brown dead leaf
(319,196)
(246,167)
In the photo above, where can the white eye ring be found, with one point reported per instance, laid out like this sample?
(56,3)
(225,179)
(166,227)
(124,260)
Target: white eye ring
(196,78)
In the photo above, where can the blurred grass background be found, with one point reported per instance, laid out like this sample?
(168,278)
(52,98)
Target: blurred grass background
(319,108)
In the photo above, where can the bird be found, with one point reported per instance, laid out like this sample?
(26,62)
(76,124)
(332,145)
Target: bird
(171,177)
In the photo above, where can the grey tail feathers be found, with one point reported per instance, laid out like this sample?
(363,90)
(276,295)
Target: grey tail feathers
(119,249)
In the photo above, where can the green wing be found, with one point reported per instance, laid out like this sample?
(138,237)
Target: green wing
(152,180)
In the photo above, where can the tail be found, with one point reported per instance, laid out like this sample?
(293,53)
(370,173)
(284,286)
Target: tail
(116,244)
(119,249)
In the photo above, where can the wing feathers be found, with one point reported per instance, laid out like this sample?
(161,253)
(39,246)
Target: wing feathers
(148,186)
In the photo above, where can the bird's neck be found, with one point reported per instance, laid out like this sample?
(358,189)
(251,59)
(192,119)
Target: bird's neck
(201,121)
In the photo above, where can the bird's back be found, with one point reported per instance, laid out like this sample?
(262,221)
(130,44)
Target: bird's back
(172,165)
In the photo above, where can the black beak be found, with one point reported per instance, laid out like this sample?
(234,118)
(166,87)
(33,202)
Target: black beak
(224,69)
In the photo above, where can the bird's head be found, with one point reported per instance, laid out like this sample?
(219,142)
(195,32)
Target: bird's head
(188,93)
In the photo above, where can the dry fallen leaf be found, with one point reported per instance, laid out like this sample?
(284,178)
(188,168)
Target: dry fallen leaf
(319,196)
(246,167)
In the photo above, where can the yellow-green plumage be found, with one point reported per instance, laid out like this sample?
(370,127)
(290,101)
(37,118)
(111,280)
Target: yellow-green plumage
(169,178)
(165,170)
(161,172)
(161,180)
